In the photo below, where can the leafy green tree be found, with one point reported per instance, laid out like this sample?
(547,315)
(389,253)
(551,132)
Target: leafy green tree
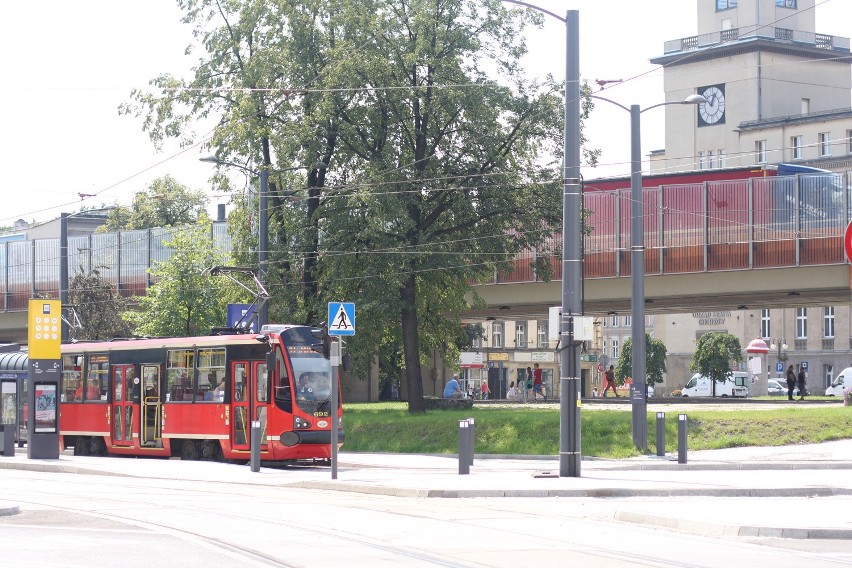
(97,304)
(655,361)
(714,355)
(166,203)
(185,299)
(443,159)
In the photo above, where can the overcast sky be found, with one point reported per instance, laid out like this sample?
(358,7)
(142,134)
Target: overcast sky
(68,66)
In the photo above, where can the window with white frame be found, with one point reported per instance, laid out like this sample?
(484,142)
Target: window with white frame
(796,147)
(613,321)
(828,322)
(542,333)
(828,373)
(614,351)
(765,324)
(520,334)
(722,158)
(725,4)
(711,160)
(760,151)
(701,164)
(801,323)
(497,334)
(627,321)
(824,143)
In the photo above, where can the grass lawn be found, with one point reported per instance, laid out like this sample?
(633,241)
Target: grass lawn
(388,427)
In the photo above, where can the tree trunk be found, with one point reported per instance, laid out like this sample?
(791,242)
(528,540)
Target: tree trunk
(411,345)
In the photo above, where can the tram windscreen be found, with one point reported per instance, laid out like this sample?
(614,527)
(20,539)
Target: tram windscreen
(312,377)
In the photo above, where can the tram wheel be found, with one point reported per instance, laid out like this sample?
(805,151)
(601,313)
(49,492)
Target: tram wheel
(189,450)
(210,450)
(81,446)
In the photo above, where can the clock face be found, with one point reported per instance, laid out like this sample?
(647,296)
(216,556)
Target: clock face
(713,111)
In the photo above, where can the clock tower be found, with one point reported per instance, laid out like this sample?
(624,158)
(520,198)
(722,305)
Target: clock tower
(755,61)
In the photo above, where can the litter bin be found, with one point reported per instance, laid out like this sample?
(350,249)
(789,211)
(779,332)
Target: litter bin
(7,440)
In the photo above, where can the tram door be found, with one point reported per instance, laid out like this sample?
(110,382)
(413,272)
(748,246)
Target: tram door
(151,419)
(124,381)
(251,397)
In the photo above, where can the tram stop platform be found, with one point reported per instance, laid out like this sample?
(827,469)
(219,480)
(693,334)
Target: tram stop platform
(657,491)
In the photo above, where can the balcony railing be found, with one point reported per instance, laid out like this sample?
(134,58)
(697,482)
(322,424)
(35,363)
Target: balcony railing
(821,41)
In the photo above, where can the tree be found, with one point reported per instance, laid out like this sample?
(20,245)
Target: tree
(185,299)
(166,203)
(714,355)
(97,304)
(443,159)
(655,361)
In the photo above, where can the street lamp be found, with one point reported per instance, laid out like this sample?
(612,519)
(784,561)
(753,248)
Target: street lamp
(263,221)
(638,393)
(780,347)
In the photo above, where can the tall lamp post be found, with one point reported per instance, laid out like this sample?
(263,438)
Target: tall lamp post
(638,391)
(263,221)
(570,455)
(780,347)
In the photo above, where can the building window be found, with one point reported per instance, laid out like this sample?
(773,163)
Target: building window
(828,373)
(786,3)
(825,144)
(806,106)
(828,322)
(765,325)
(497,334)
(760,151)
(725,4)
(849,141)
(722,158)
(801,323)
(627,321)
(542,333)
(701,163)
(613,321)
(711,162)
(520,334)
(614,349)
(796,147)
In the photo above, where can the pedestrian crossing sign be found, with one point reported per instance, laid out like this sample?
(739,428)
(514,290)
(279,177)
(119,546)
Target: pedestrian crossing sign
(341,318)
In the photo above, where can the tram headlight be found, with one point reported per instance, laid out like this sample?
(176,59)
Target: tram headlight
(300,423)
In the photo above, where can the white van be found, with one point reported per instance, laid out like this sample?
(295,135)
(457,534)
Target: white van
(840,382)
(735,385)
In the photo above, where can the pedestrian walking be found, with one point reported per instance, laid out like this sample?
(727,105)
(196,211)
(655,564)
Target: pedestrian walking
(801,381)
(485,390)
(791,382)
(609,378)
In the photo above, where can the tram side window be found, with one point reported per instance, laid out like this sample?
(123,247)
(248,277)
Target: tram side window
(151,382)
(179,375)
(281,378)
(72,378)
(212,384)
(97,379)
(262,381)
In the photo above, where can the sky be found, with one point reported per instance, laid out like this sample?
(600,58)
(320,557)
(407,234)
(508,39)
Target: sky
(69,65)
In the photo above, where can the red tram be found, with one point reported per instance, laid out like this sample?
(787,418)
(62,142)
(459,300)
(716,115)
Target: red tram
(196,397)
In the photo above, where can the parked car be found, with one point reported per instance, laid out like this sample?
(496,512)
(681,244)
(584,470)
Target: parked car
(840,382)
(777,387)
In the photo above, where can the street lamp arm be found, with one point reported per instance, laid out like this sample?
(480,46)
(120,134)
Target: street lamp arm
(690,100)
(536,8)
(609,101)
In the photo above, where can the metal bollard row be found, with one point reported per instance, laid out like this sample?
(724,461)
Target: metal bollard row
(661,433)
(681,438)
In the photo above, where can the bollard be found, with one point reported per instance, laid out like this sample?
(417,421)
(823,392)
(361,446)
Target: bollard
(255,446)
(472,435)
(661,433)
(464,443)
(7,440)
(681,438)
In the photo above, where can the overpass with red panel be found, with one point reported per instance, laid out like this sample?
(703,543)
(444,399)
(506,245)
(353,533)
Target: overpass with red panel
(762,240)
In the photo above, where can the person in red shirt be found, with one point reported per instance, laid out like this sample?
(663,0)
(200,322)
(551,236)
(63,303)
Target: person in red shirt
(609,377)
(484,390)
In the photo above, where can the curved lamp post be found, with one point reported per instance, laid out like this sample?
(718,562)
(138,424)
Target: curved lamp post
(263,222)
(638,394)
